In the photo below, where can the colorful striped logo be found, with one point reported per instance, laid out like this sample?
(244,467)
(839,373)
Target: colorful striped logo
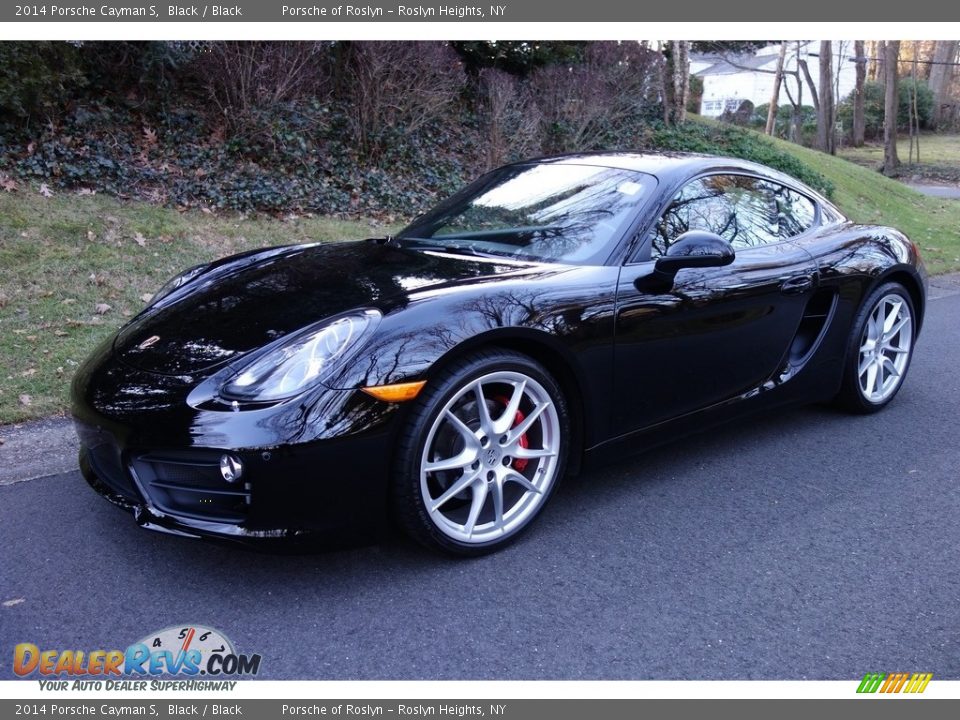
(894,682)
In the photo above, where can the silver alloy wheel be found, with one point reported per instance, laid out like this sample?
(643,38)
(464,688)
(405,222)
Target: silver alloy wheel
(490,457)
(885,348)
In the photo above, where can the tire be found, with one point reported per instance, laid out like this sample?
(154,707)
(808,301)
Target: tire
(879,350)
(470,477)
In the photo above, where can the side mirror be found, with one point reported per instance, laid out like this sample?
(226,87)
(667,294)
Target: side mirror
(693,249)
(696,248)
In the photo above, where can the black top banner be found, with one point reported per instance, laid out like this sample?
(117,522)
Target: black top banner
(473,11)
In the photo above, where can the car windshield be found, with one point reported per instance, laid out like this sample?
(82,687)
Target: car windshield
(551,212)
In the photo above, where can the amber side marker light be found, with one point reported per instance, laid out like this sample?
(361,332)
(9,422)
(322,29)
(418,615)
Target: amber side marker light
(395,393)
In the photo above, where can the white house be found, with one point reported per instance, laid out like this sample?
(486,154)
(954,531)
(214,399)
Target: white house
(728,80)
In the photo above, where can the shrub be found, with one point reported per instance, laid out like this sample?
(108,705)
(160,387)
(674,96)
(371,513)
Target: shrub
(784,124)
(397,88)
(599,102)
(37,79)
(873,107)
(509,119)
(247,81)
(735,142)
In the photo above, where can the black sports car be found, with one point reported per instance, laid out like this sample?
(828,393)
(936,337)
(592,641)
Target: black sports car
(552,312)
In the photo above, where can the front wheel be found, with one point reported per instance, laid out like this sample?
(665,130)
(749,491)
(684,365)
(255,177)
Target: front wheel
(880,349)
(484,450)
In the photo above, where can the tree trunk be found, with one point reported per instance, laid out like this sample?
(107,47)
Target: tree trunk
(879,54)
(775,95)
(859,120)
(941,77)
(814,95)
(825,132)
(680,56)
(891,105)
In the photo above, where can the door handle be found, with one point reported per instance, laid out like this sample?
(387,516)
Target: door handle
(797,285)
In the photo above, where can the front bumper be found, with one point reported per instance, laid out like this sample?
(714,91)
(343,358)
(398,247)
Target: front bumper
(317,491)
(316,468)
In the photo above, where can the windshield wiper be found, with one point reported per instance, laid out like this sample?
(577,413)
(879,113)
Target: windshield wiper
(465,250)
(433,244)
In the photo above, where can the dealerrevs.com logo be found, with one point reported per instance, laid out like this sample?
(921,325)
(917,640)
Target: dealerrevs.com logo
(185,651)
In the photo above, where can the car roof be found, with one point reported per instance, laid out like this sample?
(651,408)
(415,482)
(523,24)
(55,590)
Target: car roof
(667,166)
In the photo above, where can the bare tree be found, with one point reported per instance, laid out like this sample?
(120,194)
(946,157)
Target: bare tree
(879,56)
(805,69)
(681,80)
(914,115)
(775,94)
(891,105)
(825,111)
(859,121)
(941,76)
(796,101)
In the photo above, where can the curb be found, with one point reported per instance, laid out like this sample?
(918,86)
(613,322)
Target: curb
(37,449)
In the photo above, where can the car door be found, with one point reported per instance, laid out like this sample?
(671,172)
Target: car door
(718,332)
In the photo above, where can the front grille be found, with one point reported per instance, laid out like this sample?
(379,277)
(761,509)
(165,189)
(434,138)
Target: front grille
(190,485)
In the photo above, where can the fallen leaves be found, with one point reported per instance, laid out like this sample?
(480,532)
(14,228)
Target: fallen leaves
(140,240)
(25,400)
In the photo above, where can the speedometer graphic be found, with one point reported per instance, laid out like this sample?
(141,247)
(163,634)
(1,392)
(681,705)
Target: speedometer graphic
(181,639)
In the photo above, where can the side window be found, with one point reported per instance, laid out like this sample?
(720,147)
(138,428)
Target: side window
(797,213)
(745,211)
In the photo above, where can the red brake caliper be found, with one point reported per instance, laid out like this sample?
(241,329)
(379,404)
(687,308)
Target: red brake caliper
(520,464)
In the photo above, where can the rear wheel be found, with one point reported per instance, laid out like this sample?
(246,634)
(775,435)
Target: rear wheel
(880,349)
(485,448)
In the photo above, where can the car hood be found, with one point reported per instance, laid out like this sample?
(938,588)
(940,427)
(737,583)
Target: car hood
(245,302)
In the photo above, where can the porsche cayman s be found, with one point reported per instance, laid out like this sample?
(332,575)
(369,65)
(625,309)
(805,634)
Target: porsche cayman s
(552,312)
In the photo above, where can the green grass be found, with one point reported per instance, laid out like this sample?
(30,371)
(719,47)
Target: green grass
(61,257)
(939,157)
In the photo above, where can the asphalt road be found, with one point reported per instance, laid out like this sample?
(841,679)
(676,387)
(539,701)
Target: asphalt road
(950,192)
(809,544)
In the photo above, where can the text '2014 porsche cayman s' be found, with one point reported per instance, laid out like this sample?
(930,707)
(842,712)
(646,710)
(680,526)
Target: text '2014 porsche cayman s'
(447,378)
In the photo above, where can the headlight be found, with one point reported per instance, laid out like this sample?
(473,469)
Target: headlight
(298,364)
(176,282)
